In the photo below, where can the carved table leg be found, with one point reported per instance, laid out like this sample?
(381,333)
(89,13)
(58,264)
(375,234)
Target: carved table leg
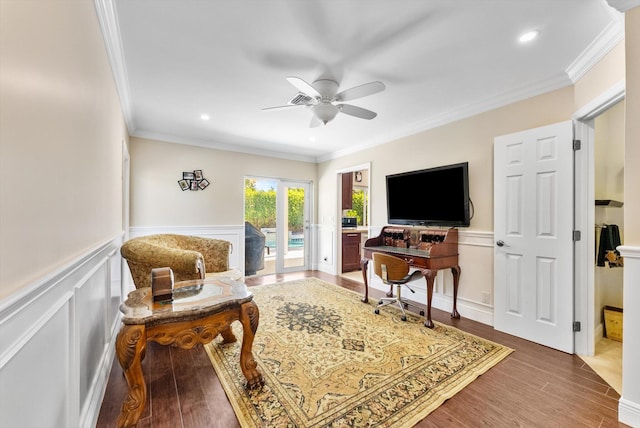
(363,266)
(249,317)
(130,347)
(227,335)
(429,276)
(456,279)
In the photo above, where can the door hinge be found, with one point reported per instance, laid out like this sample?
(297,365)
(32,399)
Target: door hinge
(576,326)
(577,145)
(577,235)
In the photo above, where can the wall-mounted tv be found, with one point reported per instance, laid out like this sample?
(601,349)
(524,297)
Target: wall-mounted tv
(430,197)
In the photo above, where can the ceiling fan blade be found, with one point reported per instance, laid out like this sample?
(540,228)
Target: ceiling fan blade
(285,107)
(360,112)
(360,91)
(304,87)
(315,122)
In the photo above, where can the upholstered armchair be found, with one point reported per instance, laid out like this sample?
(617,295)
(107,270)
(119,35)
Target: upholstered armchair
(190,257)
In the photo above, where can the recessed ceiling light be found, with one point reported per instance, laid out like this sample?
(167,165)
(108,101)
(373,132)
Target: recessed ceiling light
(529,36)
(204,117)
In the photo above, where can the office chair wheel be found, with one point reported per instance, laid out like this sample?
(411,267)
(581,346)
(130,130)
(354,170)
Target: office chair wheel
(406,305)
(403,318)
(421,313)
(380,301)
(376,311)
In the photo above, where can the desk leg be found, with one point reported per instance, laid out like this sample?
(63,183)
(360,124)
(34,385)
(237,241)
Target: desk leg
(429,276)
(130,347)
(456,279)
(249,317)
(363,266)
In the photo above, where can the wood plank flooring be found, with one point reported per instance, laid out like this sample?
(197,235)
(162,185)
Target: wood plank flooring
(535,386)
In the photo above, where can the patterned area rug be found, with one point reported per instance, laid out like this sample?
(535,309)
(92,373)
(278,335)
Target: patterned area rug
(329,361)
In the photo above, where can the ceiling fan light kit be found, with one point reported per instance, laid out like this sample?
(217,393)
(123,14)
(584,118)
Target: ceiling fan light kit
(325,102)
(325,111)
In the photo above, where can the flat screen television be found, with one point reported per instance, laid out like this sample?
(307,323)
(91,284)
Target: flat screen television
(430,197)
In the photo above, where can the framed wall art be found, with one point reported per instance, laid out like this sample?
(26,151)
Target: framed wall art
(193,180)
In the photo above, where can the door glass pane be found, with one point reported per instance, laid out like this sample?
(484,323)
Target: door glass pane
(294,221)
(260,212)
(276,209)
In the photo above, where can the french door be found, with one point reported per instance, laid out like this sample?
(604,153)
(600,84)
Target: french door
(280,209)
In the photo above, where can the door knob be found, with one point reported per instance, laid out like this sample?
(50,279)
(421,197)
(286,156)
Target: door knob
(500,243)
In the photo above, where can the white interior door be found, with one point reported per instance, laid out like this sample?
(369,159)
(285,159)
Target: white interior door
(533,228)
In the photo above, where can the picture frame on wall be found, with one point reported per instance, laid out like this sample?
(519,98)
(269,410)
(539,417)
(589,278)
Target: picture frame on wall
(202,184)
(194,185)
(188,175)
(184,185)
(198,174)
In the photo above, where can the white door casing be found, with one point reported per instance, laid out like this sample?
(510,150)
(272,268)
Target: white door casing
(533,228)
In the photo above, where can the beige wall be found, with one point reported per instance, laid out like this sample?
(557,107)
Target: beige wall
(604,75)
(632,126)
(157,200)
(609,154)
(61,133)
(609,184)
(465,140)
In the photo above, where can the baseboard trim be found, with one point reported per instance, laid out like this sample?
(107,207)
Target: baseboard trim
(628,412)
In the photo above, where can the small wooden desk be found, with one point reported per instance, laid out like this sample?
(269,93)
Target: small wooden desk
(440,253)
(201,310)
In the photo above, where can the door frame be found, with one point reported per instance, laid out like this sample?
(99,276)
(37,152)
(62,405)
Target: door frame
(584,211)
(338,229)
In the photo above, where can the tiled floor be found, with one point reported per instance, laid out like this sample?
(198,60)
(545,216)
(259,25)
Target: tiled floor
(607,362)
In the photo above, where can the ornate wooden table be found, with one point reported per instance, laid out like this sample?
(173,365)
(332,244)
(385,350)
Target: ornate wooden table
(200,310)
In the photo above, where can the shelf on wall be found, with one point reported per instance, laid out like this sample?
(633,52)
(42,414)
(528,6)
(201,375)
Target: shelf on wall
(608,203)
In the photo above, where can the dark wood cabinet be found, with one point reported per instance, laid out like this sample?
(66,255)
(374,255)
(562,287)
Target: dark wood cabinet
(350,251)
(347,190)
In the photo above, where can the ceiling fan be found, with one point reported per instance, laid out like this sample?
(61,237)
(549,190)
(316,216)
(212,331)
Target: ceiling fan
(325,102)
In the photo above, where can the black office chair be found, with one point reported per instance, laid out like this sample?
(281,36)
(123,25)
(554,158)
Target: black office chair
(394,270)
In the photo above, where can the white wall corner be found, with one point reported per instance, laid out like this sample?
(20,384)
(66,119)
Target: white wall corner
(629,404)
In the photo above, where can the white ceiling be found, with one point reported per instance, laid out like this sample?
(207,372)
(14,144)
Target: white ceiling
(441,60)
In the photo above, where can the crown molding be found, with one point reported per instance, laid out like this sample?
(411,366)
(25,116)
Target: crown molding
(598,48)
(230,146)
(623,5)
(108,19)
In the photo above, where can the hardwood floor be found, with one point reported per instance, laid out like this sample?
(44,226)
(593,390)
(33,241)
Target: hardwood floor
(535,386)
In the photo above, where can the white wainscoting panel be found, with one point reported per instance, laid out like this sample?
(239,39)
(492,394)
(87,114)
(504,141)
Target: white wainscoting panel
(326,244)
(58,337)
